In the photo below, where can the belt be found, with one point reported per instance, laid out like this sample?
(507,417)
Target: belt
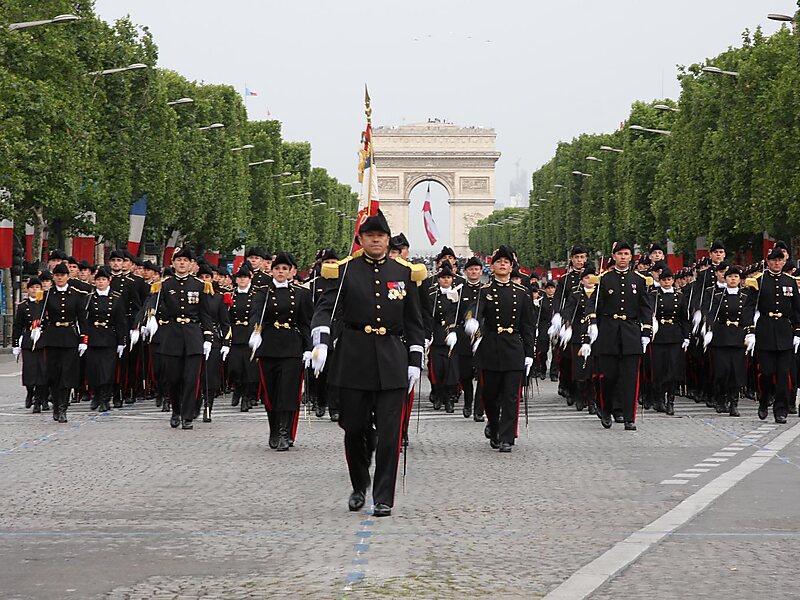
(160,322)
(505,329)
(241,323)
(63,323)
(184,320)
(734,323)
(376,329)
(665,321)
(278,325)
(101,323)
(623,317)
(776,315)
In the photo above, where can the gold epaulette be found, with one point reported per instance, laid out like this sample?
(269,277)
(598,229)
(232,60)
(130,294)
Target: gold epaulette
(486,285)
(751,282)
(304,286)
(155,287)
(419,272)
(520,287)
(647,279)
(208,286)
(594,279)
(331,270)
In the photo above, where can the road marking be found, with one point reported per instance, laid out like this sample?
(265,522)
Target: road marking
(591,576)
(14,374)
(702,464)
(697,470)
(690,475)
(717,460)
(724,454)
(674,481)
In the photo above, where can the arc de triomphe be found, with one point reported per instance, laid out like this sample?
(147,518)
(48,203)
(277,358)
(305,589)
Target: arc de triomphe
(462,159)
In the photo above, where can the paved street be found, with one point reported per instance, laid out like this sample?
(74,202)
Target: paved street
(121,506)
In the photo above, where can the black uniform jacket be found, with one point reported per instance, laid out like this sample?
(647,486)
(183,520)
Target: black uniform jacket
(106,323)
(28,312)
(564,287)
(239,315)
(776,299)
(184,316)
(127,288)
(444,313)
(469,296)
(624,313)
(379,314)
(286,325)
(729,319)
(508,331)
(64,321)
(576,312)
(671,314)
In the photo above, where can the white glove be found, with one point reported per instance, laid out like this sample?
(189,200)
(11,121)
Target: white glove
(452,338)
(685,344)
(655,326)
(255,341)
(471,326)
(795,343)
(592,331)
(206,349)
(565,336)
(134,333)
(413,377)
(36,333)
(475,345)
(428,343)
(707,337)
(151,326)
(223,352)
(756,317)
(585,350)
(81,349)
(696,320)
(307,359)
(16,351)
(555,325)
(528,364)
(120,350)
(750,343)
(645,341)
(318,357)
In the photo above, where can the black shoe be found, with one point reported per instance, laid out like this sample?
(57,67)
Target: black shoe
(174,421)
(505,447)
(448,407)
(592,408)
(779,419)
(382,510)
(283,444)
(62,417)
(763,410)
(319,411)
(206,416)
(478,418)
(164,407)
(29,400)
(37,408)
(606,420)
(734,411)
(104,407)
(630,426)
(437,404)
(159,400)
(129,400)
(187,425)
(487,432)
(579,404)
(356,501)
(670,409)
(56,412)
(467,411)
(273,441)
(618,419)
(235,398)
(117,403)
(553,378)
(334,415)
(95,404)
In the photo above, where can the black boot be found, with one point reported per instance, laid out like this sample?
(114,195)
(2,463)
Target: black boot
(734,405)
(207,411)
(159,399)
(29,396)
(64,401)
(670,408)
(56,406)
(237,396)
(97,397)
(274,433)
(283,430)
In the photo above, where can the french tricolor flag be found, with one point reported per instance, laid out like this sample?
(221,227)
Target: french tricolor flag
(172,243)
(427,215)
(138,212)
(238,258)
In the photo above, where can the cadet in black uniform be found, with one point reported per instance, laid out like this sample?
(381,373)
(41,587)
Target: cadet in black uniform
(727,324)
(624,325)
(578,313)
(281,340)
(63,329)
(504,314)
(106,330)
(34,366)
(442,363)
(473,270)
(124,285)
(256,258)
(775,303)
(378,356)
(211,383)
(185,320)
(242,372)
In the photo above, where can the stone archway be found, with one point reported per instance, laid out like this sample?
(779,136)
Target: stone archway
(461,159)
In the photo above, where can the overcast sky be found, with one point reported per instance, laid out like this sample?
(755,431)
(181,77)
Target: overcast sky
(537,71)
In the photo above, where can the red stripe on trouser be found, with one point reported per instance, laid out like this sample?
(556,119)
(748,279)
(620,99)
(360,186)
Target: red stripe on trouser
(197,388)
(636,397)
(299,401)
(267,403)
(431,373)
(516,426)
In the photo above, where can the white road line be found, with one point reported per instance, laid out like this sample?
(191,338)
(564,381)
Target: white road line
(14,374)
(697,470)
(665,482)
(728,454)
(732,449)
(690,475)
(588,578)
(702,464)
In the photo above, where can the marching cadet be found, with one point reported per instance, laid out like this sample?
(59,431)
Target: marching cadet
(85,271)
(655,252)
(578,314)
(624,327)
(446,254)
(256,258)
(670,341)
(63,327)
(34,367)
(242,372)
(728,323)
(77,274)
(378,356)
(775,303)
(545,345)
(185,318)
(218,305)
(442,365)
(125,286)
(281,340)
(504,355)
(323,393)
(106,329)
(473,271)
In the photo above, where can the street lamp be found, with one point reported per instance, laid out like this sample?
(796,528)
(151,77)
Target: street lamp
(53,21)
(779,17)
(133,67)
(718,71)
(212,126)
(298,195)
(266,161)
(180,101)
(580,174)
(648,130)
(594,158)
(665,107)
(610,149)
(559,186)
(292,182)
(286,174)
(240,148)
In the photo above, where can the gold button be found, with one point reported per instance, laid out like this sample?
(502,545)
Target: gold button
(377,271)
(378,306)
(378,319)
(377,295)
(377,282)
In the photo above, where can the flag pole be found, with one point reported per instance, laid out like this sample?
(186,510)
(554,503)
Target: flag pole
(368,113)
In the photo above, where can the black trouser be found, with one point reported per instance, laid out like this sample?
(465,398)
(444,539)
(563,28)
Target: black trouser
(183,379)
(553,360)
(500,393)
(357,408)
(619,384)
(465,376)
(774,377)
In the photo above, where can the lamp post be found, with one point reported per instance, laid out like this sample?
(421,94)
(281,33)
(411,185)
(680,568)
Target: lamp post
(666,107)
(298,195)
(649,130)
(266,161)
(180,101)
(54,21)
(245,147)
(286,174)
(610,149)
(717,71)
(103,72)
(212,126)
(594,158)
(780,17)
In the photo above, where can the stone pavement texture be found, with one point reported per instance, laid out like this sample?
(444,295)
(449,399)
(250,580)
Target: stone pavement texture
(119,506)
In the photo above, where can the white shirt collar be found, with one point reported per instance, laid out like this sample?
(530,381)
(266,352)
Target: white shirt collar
(732,290)
(444,290)
(722,285)
(278,284)
(243,290)
(668,290)
(62,289)
(104,292)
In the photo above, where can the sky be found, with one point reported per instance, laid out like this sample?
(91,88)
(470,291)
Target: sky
(536,71)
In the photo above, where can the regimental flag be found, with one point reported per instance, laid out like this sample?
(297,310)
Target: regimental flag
(427,216)
(138,212)
(249,92)
(369,202)
(172,243)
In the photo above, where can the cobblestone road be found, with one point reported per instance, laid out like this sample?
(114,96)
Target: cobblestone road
(121,506)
